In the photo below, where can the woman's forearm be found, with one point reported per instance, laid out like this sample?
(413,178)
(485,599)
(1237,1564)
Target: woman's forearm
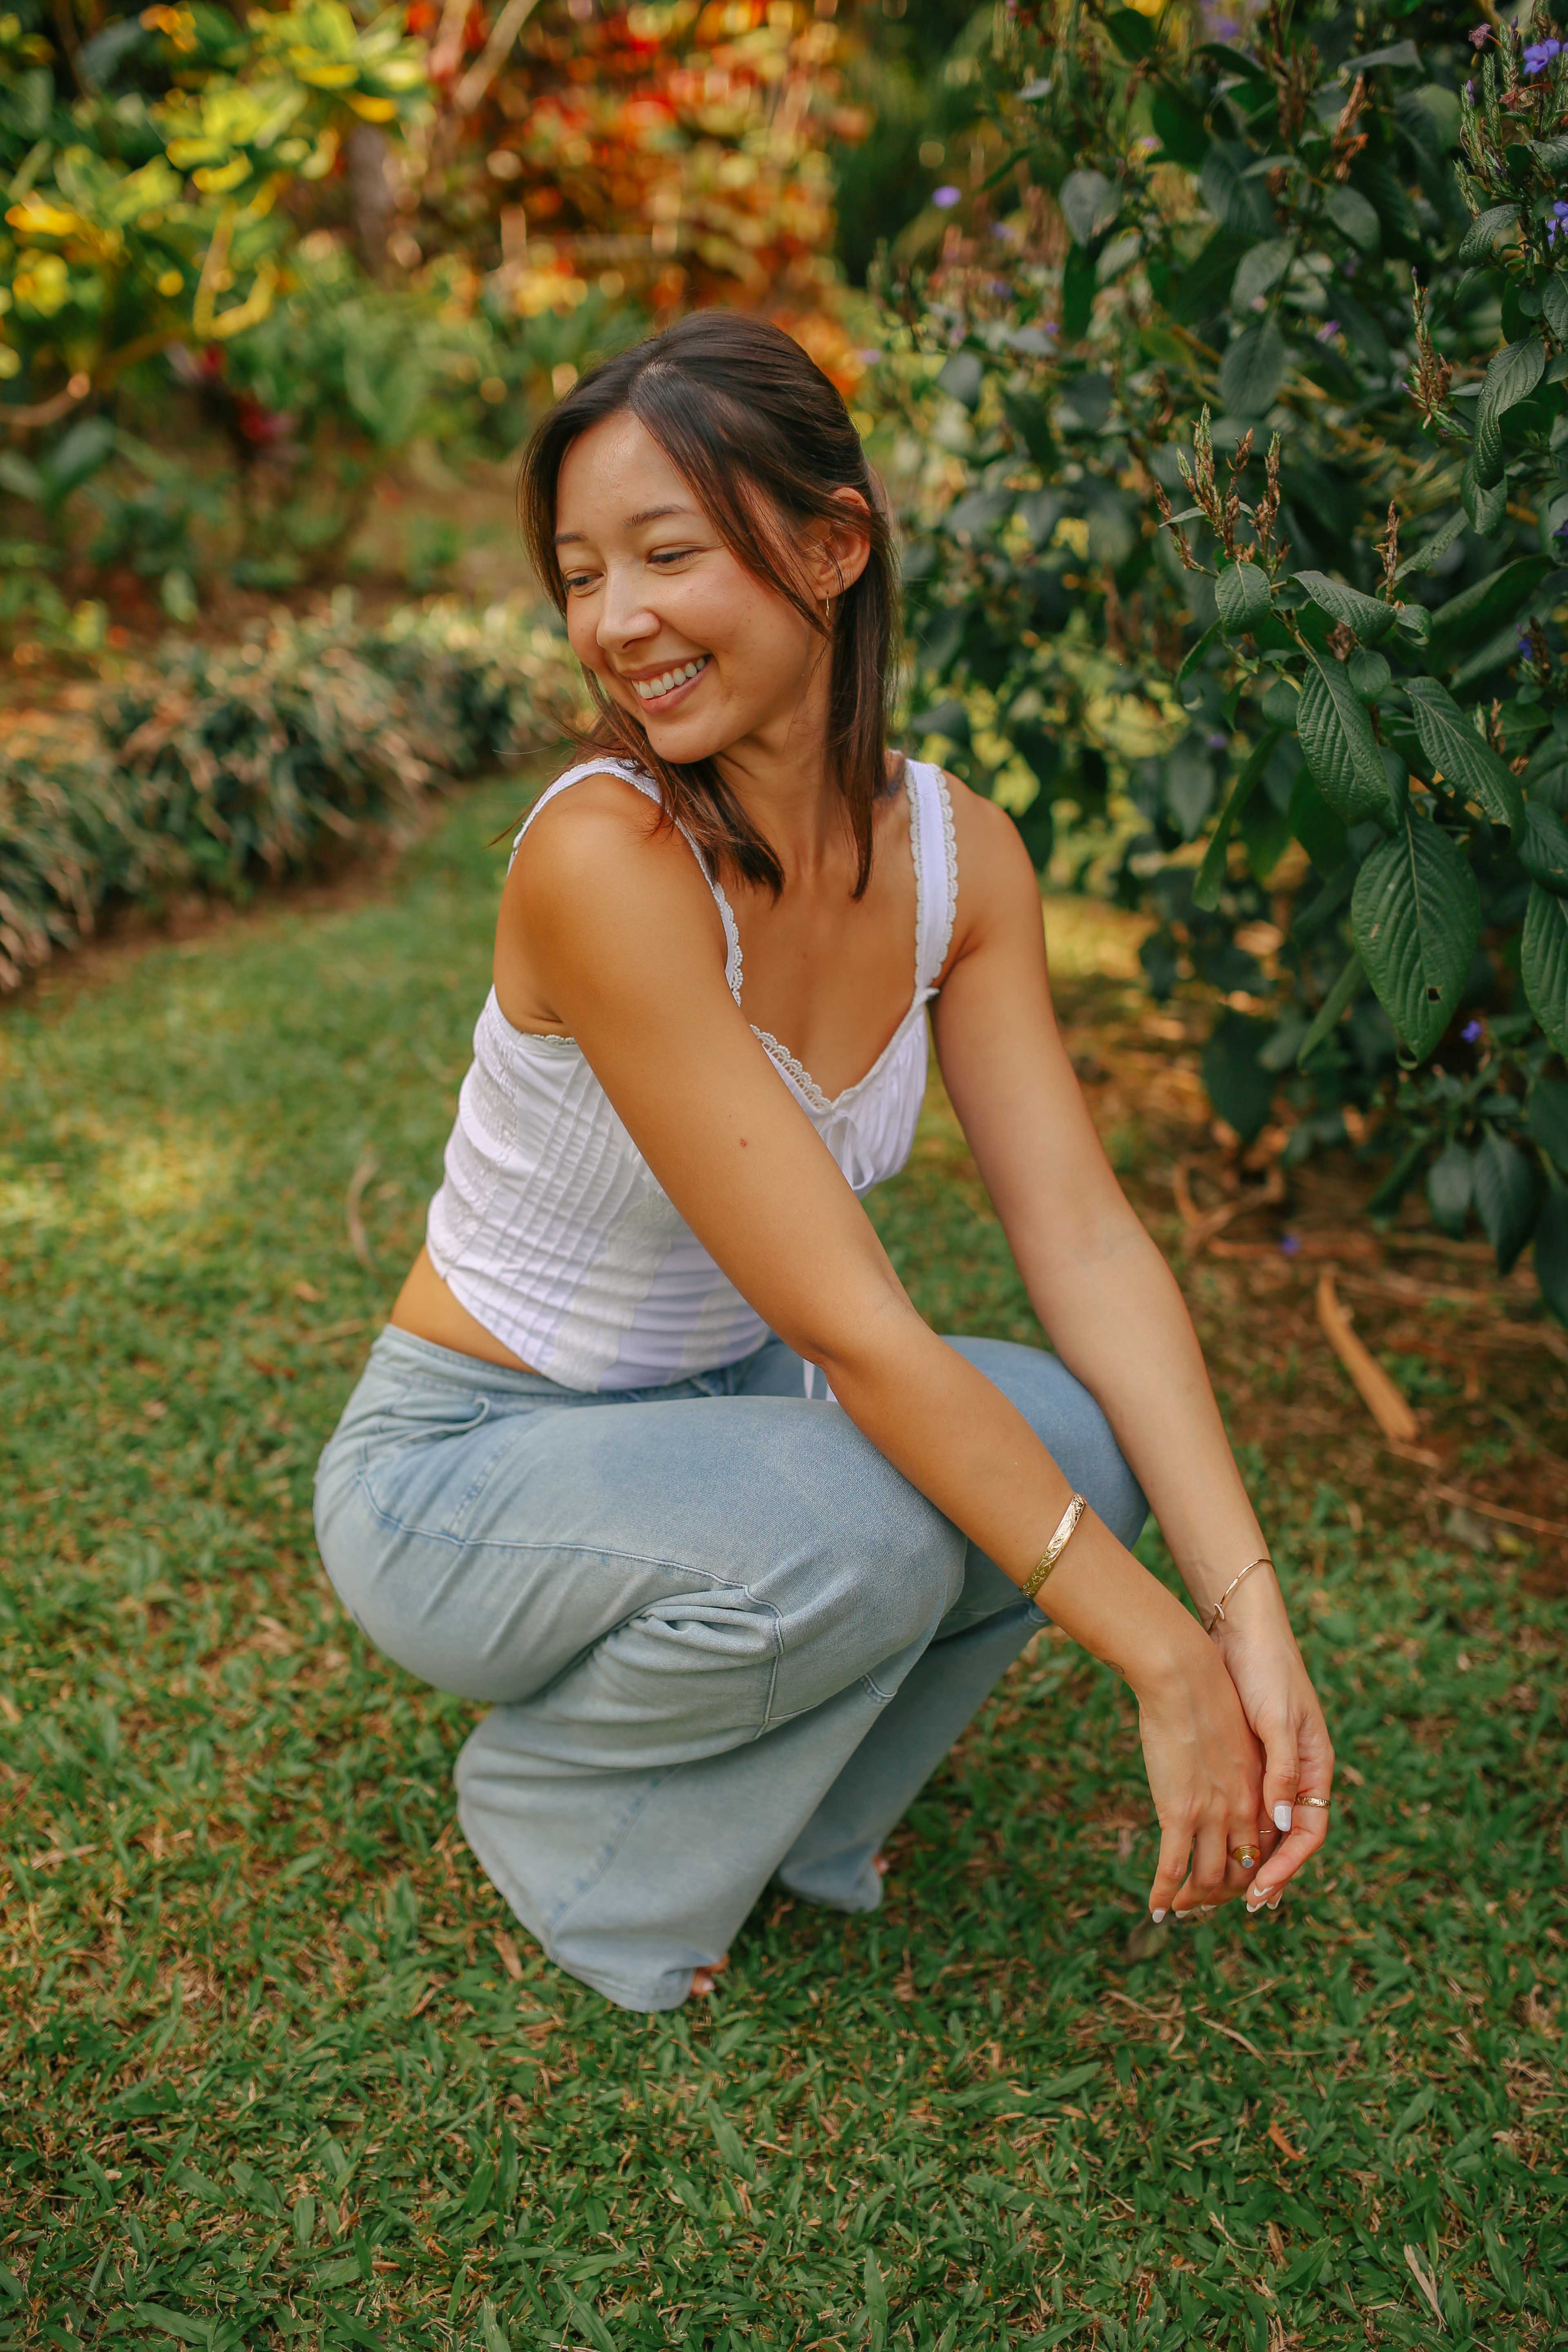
(1119,1323)
(967,1448)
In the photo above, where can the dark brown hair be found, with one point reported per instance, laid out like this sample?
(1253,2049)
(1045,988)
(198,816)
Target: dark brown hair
(740,409)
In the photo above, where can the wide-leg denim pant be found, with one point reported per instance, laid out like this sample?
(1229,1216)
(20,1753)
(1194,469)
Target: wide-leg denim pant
(722,1637)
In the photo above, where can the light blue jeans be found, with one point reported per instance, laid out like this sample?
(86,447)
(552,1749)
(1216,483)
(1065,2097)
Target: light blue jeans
(721,1636)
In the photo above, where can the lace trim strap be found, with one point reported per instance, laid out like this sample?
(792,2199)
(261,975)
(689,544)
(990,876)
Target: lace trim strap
(645,784)
(936,871)
(797,1069)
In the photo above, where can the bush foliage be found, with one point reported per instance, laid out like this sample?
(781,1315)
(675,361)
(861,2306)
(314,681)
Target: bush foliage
(1254,375)
(211,769)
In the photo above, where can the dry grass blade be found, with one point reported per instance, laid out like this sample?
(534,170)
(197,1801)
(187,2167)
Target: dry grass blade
(1425,2281)
(1377,1391)
(352,1220)
(1468,1502)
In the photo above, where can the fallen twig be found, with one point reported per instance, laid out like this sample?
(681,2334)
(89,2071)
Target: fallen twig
(1378,1392)
(1498,1511)
(1200,1226)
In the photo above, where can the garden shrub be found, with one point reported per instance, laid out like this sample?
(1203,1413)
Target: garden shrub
(1309,289)
(211,769)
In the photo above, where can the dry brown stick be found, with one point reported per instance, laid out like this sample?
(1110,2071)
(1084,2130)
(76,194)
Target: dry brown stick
(351,1217)
(1378,1392)
(1498,1511)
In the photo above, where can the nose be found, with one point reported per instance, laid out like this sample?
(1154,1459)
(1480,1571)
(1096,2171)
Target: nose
(624,616)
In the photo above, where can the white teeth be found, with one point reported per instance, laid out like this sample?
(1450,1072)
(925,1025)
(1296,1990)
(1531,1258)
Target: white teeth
(647,687)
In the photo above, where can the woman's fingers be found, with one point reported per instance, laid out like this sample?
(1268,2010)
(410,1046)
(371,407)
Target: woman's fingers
(1175,1844)
(1310,1816)
(1282,1774)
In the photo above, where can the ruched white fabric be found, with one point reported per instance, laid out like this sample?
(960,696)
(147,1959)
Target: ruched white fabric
(551,1228)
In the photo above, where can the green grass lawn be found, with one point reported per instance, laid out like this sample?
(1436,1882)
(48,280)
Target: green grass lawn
(278,2065)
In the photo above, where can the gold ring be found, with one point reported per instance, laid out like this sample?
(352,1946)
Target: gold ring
(1322,1803)
(1247,1856)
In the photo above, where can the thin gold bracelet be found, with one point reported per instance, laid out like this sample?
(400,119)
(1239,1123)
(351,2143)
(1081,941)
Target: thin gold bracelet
(1217,1617)
(1057,1546)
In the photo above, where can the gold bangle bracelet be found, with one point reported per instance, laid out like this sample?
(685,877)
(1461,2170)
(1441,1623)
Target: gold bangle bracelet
(1217,1615)
(1057,1546)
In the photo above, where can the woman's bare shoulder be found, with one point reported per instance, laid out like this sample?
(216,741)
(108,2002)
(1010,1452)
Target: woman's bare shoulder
(996,872)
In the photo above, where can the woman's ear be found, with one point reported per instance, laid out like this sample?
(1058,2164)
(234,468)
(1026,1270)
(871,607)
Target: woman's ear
(841,551)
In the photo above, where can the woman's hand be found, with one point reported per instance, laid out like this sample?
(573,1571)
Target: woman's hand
(1274,1692)
(1205,1775)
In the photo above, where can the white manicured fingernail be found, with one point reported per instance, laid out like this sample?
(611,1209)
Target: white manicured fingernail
(1283,1817)
(1156,1917)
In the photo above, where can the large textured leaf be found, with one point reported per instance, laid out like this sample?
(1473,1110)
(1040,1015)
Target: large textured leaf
(1369,619)
(1507,1195)
(1484,502)
(1253,369)
(1509,378)
(1488,231)
(1459,624)
(1238,203)
(1543,962)
(1547,1112)
(1241,597)
(1552,1251)
(1555,304)
(1337,741)
(1416,917)
(1458,754)
(1543,845)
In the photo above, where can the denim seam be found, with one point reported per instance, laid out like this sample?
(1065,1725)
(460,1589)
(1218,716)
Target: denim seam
(597,1551)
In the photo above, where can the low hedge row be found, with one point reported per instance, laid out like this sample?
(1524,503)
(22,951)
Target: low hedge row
(211,768)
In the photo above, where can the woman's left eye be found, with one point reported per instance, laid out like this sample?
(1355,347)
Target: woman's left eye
(672,554)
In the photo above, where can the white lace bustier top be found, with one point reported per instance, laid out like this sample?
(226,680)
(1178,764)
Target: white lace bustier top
(551,1228)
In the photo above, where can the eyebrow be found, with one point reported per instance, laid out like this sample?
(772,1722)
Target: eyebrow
(633,523)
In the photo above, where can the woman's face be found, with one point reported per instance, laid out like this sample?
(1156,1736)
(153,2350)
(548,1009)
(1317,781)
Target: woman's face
(678,631)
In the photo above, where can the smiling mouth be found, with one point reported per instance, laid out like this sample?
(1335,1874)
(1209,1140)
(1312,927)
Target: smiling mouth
(669,682)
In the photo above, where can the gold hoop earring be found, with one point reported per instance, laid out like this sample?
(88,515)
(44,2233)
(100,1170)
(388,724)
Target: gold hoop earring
(827,612)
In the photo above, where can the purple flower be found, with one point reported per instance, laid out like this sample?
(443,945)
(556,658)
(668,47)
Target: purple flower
(1481,35)
(1218,740)
(944,197)
(1558,219)
(1328,331)
(868,359)
(1002,228)
(1524,644)
(1289,1244)
(1472,1030)
(1540,54)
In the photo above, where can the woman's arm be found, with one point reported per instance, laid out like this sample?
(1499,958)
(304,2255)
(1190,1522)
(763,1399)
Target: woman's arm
(623,935)
(1107,1297)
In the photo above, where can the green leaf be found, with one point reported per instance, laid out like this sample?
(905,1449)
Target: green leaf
(1253,369)
(1450,1189)
(1488,231)
(1242,597)
(1543,962)
(1555,304)
(1467,765)
(1546,1115)
(1425,557)
(961,378)
(1077,294)
(1260,267)
(1240,1088)
(730,2145)
(1181,129)
(1210,873)
(1354,218)
(1507,1195)
(1338,744)
(1370,620)
(1485,503)
(1552,1251)
(1476,611)
(1543,845)
(1088,201)
(1369,674)
(492,2334)
(1343,995)
(1416,917)
(1196,652)
(587,2323)
(1133,34)
(1509,378)
(1320,832)
(183,2325)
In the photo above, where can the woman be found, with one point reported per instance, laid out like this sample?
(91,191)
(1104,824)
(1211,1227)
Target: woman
(655,1454)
